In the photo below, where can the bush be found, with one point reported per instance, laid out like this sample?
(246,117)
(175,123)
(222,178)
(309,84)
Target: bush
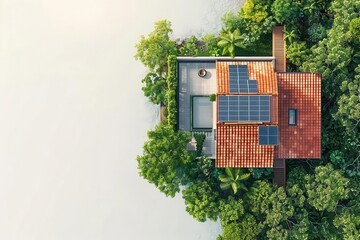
(213,97)
(200,138)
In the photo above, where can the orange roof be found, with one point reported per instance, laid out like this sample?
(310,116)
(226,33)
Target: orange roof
(237,146)
(262,71)
(301,91)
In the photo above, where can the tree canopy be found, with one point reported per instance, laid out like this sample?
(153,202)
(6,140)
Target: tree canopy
(154,50)
(165,159)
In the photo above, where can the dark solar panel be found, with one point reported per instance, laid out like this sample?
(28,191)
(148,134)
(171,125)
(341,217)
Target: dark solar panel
(268,135)
(244,108)
(239,80)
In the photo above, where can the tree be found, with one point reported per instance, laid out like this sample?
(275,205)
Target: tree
(199,138)
(257,198)
(296,176)
(230,41)
(233,179)
(261,173)
(256,19)
(203,167)
(290,36)
(326,188)
(230,210)
(347,158)
(349,103)
(246,229)
(153,51)
(201,201)
(165,160)
(286,11)
(355,29)
(210,42)
(347,219)
(297,53)
(155,87)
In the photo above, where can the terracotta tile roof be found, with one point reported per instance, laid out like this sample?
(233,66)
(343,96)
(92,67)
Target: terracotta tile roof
(301,91)
(262,71)
(237,146)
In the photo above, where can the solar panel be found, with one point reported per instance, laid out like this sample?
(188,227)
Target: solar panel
(244,108)
(268,135)
(239,80)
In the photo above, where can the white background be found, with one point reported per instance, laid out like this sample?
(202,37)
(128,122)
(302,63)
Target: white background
(73,119)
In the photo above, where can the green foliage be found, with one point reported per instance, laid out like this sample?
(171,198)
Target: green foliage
(257,198)
(199,138)
(349,103)
(297,53)
(210,42)
(201,201)
(245,229)
(233,179)
(355,29)
(170,96)
(326,188)
(345,160)
(154,50)
(316,32)
(255,19)
(286,11)
(230,41)
(204,166)
(230,210)
(348,221)
(280,209)
(155,87)
(191,47)
(213,97)
(165,158)
(260,173)
(231,21)
(296,176)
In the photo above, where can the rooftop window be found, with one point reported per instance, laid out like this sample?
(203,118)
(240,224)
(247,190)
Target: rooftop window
(292,117)
(202,113)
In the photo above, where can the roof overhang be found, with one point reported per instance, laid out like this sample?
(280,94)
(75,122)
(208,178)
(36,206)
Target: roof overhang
(207,59)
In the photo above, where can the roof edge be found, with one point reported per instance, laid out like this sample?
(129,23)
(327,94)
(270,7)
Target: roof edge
(194,59)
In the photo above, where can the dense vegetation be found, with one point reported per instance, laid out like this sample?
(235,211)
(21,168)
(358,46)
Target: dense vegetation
(321,200)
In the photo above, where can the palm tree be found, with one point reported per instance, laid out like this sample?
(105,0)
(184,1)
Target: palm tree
(233,178)
(230,41)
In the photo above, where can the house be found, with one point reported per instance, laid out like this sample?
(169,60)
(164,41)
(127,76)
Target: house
(262,115)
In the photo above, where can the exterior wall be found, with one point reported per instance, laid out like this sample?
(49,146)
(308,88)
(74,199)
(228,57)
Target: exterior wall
(191,84)
(279,172)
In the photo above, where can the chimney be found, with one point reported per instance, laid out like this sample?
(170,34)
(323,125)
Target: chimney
(279,172)
(278,48)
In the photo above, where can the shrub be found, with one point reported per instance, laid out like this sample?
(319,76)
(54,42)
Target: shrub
(170,97)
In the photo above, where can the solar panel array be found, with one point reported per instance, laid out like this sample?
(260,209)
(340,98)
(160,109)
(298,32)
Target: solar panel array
(268,135)
(244,108)
(239,80)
